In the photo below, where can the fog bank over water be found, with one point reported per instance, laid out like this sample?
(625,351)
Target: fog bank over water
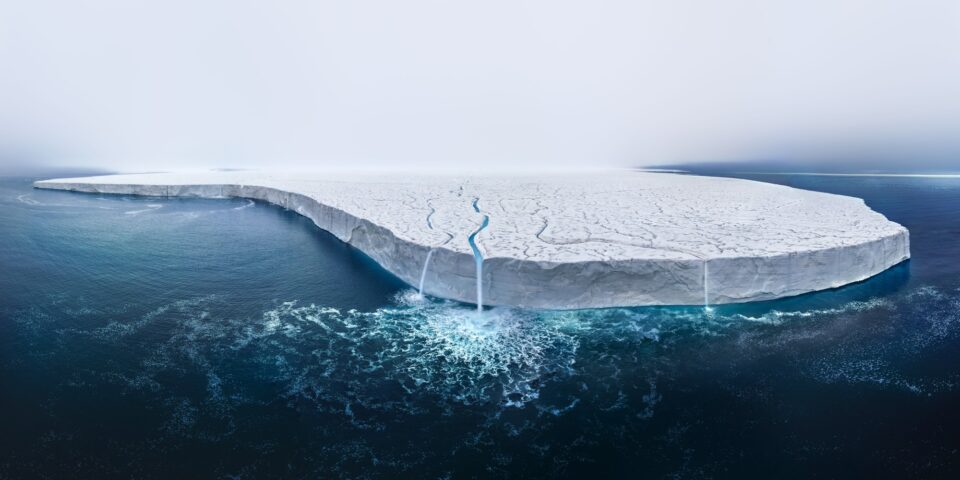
(879,165)
(140,86)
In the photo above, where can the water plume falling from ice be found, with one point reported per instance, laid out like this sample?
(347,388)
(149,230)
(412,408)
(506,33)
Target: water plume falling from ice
(423,274)
(478,257)
(706,286)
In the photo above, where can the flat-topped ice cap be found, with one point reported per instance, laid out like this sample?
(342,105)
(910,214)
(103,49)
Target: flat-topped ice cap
(573,240)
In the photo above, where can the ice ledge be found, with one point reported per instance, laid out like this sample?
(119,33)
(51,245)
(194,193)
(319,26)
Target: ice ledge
(590,240)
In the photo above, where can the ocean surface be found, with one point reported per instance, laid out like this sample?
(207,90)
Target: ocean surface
(192,338)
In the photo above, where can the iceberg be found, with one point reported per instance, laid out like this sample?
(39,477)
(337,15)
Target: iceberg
(566,241)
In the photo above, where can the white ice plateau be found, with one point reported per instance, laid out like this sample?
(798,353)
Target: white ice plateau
(565,241)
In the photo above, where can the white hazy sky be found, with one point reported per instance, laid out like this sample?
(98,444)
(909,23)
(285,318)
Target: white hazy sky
(139,85)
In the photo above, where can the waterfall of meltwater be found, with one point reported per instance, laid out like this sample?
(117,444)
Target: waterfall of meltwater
(423,274)
(706,287)
(477,256)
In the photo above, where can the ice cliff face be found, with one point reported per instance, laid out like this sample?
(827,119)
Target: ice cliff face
(572,241)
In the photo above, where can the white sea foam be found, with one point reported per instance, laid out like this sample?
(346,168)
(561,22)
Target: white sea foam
(25,198)
(433,356)
(150,207)
(245,206)
(776,317)
(874,355)
(436,346)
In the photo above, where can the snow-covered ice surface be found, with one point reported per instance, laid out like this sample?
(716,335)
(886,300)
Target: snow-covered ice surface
(581,240)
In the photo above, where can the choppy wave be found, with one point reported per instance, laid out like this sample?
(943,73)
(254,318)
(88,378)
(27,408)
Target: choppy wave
(481,378)
(431,347)
(506,356)
(884,353)
(502,355)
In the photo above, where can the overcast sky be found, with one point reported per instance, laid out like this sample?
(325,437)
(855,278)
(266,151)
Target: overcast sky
(135,85)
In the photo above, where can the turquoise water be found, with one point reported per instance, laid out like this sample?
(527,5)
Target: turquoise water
(160,338)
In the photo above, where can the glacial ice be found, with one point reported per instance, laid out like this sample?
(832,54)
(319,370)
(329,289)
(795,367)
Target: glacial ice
(560,241)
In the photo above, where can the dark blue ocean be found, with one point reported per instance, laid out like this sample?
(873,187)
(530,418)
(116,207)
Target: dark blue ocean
(192,338)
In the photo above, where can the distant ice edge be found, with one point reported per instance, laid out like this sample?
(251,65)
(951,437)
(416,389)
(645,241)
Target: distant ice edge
(563,285)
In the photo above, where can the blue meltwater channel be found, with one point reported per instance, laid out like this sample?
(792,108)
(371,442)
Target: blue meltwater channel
(478,257)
